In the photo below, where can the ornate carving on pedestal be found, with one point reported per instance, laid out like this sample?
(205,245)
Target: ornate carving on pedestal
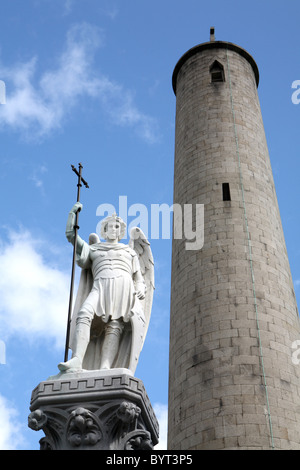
(37,420)
(127,432)
(137,440)
(128,413)
(108,413)
(83,428)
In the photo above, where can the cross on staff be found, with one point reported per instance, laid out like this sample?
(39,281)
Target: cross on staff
(76,227)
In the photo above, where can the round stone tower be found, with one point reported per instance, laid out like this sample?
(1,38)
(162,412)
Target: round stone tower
(234,375)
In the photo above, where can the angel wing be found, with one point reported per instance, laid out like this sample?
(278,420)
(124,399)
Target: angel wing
(139,243)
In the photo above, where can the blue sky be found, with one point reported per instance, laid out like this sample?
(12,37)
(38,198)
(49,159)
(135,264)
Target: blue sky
(90,81)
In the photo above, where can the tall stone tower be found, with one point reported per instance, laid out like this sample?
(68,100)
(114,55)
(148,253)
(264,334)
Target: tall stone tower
(234,317)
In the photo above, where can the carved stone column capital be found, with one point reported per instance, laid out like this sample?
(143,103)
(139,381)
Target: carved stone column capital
(81,411)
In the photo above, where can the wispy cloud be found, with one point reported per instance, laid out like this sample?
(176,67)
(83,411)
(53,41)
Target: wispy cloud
(110,10)
(161,412)
(37,176)
(67,6)
(38,105)
(34,294)
(120,106)
(11,429)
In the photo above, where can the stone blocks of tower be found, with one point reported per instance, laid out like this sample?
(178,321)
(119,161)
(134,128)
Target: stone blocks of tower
(234,317)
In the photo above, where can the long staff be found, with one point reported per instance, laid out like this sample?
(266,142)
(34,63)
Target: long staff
(76,227)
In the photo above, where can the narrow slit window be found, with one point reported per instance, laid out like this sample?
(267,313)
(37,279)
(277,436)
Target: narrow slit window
(226,192)
(217,72)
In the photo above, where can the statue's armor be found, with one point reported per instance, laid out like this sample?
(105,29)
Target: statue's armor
(111,263)
(113,294)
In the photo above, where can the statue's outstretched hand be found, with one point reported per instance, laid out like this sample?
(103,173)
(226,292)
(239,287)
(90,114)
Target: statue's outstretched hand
(77,207)
(70,229)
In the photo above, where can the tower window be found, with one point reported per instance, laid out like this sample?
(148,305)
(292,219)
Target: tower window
(226,192)
(217,72)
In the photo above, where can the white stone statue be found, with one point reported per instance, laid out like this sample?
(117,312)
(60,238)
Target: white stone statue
(114,299)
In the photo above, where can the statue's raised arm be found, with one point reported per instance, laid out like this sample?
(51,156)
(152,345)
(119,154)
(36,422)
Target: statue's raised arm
(71,224)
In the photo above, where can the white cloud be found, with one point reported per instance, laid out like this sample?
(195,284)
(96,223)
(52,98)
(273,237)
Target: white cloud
(41,107)
(10,429)
(37,176)
(161,412)
(38,106)
(119,104)
(67,7)
(112,12)
(34,295)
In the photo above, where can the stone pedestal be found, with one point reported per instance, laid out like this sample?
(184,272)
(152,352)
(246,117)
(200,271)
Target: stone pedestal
(93,410)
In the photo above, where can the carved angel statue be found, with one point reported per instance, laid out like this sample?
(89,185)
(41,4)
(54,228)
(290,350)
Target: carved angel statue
(114,299)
